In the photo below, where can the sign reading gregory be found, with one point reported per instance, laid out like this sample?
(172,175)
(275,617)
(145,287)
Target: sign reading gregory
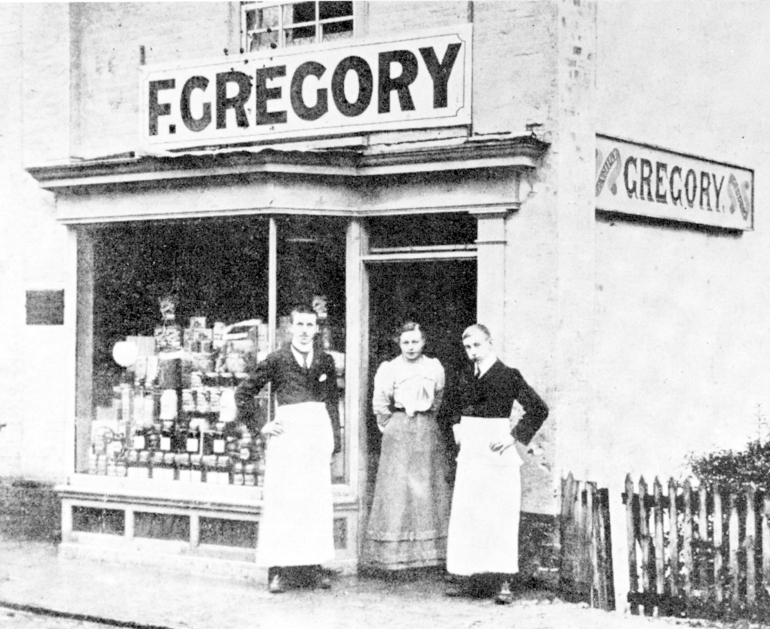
(637,179)
(416,81)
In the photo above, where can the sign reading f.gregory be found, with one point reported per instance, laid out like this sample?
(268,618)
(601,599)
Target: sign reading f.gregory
(646,181)
(413,81)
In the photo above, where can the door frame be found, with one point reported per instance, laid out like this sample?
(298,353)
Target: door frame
(361,258)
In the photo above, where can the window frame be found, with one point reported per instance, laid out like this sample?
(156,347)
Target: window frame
(318,23)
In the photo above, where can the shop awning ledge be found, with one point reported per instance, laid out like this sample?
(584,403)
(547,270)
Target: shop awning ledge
(354,161)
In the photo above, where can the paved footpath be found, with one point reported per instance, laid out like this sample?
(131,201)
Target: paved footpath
(34,578)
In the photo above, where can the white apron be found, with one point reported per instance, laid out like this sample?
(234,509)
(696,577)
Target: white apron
(484,523)
(297,523)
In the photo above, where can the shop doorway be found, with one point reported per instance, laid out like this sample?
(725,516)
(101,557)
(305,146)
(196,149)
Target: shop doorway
(440,295)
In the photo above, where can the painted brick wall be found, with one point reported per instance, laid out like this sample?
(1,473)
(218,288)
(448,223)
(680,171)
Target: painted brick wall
(682,354)
(514,51)
(387,19)
(106,58)
(46,83)
(514,65)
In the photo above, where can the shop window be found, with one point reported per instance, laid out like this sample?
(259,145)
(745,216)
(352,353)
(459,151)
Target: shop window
(180,311)
(267,25)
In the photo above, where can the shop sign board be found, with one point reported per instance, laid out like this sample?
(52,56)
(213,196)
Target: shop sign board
(634,178)
(411,81)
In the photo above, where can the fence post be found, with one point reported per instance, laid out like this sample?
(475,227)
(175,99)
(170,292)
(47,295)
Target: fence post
(751,574)
(607,593)
(687,539)
(591,529)
(718,540)
(702,577)
(582,574)
(660,558)
(733,537)
(673,539)
(766,541)
(624,547)
(644,534)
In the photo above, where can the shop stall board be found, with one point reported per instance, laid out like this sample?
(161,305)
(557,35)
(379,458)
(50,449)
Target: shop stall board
(188,527)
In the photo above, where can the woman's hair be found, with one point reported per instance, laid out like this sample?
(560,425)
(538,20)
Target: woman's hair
(409,326)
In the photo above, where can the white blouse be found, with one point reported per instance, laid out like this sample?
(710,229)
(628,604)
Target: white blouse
(417,387)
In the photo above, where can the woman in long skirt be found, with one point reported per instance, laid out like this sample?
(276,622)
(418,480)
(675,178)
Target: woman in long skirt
(410,512)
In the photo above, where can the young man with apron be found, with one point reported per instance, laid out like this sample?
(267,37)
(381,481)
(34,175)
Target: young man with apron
(296,529)
(483,537)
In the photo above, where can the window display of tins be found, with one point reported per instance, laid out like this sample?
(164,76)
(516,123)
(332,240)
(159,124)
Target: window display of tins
(174,411)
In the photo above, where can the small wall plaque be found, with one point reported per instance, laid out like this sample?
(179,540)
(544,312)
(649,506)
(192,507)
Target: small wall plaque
(45,307)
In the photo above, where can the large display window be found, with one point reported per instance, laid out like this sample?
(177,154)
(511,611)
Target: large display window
(179,311)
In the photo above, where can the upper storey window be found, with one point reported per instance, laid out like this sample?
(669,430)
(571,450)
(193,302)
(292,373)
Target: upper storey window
(269,25)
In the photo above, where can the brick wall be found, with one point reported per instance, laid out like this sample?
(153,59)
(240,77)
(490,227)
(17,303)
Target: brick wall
(106,61)
(29,510)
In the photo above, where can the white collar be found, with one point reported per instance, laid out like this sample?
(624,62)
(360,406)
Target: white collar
(486,364)
(300,356)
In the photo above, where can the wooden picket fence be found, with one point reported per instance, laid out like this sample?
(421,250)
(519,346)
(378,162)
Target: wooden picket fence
(696,548)
(586,550)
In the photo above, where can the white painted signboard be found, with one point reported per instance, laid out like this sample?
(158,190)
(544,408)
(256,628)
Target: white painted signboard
(415,81)
(637,179)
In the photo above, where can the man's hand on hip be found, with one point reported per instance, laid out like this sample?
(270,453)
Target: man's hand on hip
(272,428)
(503,445)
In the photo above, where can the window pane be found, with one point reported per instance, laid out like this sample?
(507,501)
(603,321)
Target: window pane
(337,30)
(263,41)
(267,18)
(300,36)
(335,9)
(251,18)
(302,12)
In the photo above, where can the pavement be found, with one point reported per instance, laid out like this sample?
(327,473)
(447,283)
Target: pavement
(41,590)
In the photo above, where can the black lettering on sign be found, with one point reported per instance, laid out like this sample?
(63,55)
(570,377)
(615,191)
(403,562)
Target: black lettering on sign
(440,72)
(155,108)
(630,189)
(705,187)
(309,68)
(661,169)
(45,307)
(645,178)
(676,193)
(718,190)
(400,84)
(690,187)
(365,86)
(236,102)
(265,94)
(194,124)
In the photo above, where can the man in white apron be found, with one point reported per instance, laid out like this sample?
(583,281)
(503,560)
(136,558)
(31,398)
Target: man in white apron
(296,529)
(483,537)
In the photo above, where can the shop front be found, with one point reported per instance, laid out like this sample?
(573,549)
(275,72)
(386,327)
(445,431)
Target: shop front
(189,262)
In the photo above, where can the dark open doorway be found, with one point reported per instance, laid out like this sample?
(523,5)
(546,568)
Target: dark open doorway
(439,295)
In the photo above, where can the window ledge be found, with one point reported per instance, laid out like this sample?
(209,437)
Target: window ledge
(107,490)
